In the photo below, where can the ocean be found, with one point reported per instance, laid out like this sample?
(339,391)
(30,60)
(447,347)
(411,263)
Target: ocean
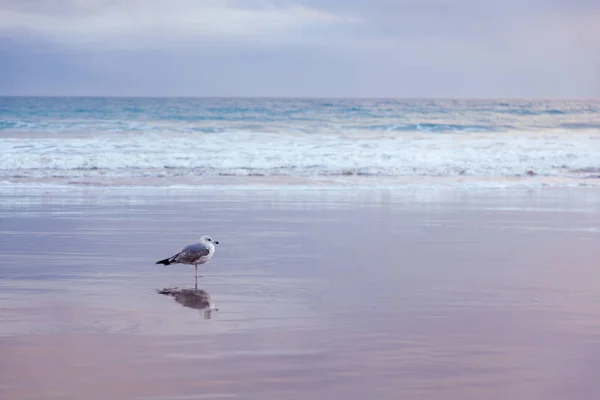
(355,142)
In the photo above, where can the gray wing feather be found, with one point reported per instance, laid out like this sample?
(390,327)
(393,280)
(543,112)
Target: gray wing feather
(190,254)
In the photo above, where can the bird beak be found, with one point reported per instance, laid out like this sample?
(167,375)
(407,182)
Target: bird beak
(216,242)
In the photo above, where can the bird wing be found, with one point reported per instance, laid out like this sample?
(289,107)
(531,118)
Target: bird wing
(190,254)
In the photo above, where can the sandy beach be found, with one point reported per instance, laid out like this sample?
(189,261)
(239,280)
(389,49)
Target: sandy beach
(348,293)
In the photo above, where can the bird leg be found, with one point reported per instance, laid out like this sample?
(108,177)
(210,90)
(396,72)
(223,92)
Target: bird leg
(196,286)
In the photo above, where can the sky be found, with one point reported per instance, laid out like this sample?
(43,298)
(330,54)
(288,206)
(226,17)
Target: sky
(304,48)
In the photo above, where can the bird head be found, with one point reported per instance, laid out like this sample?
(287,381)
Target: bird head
(208,239)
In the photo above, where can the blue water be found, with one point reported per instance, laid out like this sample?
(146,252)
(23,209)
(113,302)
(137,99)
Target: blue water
(152,140)
(308,115)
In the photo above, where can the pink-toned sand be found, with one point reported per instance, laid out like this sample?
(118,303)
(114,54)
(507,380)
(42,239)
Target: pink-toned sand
(366,294)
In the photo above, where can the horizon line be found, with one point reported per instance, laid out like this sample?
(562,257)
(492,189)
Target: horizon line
(305,97)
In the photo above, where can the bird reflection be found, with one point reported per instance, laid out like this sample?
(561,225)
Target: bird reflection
(192,298)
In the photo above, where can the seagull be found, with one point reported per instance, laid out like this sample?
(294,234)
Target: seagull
(193,254)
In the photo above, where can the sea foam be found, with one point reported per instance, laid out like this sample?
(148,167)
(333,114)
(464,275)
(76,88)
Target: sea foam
(101,139)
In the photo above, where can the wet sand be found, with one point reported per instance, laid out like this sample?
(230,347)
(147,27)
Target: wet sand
(416,294)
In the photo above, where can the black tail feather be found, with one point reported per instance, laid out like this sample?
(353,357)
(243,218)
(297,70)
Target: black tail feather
(164,262)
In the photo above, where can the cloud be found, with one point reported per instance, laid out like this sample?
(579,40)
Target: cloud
(406,48)
(124,23)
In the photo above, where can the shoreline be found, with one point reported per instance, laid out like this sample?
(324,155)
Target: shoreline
(314,182)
